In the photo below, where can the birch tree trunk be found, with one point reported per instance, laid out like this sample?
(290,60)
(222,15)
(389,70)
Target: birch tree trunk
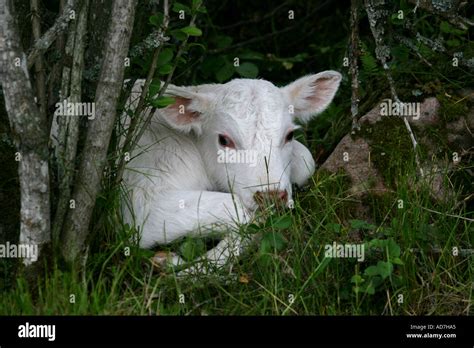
(89,177)
(29,133)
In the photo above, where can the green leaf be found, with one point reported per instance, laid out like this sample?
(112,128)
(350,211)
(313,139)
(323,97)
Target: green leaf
(251,55)
(212,64)
(393,249)
(384,268)
(397,261)
(453,43)
(272,241)
(192,31)
(162,102)
(165,69)
(196,44)
(395,20)
(248,70)
(283,222)
(357,279)
(156,20)
(154,89)
(192,248)
(253,228)
(180,7)
(368,288)
(223,41)
(178,34)
(361,225)
(225,72)
(165,57)
(447,28)
(333,227)
(197,4)
(371,271)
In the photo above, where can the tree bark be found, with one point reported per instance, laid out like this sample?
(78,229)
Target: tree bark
(40,75)
(58,27)
(66,157)
(100,129)
(29,133)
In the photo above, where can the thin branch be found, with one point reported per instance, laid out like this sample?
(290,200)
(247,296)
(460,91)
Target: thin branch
(353,67)
(43,43)
(445,9)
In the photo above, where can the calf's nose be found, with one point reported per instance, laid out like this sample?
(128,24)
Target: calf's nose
(272,195)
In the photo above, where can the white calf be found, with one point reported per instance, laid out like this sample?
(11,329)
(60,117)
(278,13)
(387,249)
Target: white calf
(204,160)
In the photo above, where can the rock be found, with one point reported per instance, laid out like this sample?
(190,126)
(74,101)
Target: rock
(353,156)
(429,113)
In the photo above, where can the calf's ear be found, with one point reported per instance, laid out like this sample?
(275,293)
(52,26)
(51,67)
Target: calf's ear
(312,94)
(189,110)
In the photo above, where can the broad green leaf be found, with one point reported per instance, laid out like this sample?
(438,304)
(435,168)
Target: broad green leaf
(333,227)
(272,241)
(225,72)
(368,288)
(384,269)
(357,279)
(371,271)
(393,249)
(197,4)
(223,41)
(192,31)
(162,102)
(446,27)
(453,43)
(212,64)
(248,70)
(178,34)
(177,6)
(165,57)
(192,248)
(251,55)
(283,222)
(165,69)
(196,44)
(156,20)
(362,225)
(397,261)
(153,89)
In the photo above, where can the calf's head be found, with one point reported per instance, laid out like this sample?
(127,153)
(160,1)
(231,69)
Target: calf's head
(244,130)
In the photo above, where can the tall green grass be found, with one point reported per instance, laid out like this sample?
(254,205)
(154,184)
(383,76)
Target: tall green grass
(409,252)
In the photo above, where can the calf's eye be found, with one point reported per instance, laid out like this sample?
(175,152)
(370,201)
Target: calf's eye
(225,141)
(289,136)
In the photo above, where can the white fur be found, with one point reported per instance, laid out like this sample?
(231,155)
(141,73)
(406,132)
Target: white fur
(176,185)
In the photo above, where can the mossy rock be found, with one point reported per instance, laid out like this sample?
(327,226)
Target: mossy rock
(391,149)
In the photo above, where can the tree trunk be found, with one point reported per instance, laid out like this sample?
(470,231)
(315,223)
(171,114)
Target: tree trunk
(100,129)
(29,134)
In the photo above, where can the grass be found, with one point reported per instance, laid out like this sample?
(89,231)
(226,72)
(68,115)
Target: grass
(409,256)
